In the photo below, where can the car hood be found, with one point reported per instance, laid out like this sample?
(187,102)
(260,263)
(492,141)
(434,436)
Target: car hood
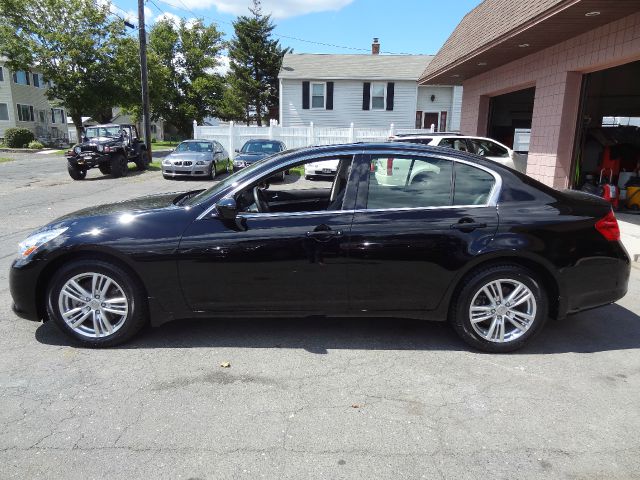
(190,156)
(133,206)
(251,157)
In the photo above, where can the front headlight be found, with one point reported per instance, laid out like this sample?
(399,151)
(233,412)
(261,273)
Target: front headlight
(237,163)
(166,162)
(200,162)
(77,149)
(33,242)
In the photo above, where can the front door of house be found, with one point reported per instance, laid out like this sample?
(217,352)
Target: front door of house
(431,118)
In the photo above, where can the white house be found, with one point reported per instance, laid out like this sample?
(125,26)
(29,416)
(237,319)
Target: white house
(24,104)
(368,90)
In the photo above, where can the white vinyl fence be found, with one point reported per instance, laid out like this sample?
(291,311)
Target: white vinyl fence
(233,136)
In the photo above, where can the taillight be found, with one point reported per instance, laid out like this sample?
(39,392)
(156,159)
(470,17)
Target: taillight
(608,227)
(389,166)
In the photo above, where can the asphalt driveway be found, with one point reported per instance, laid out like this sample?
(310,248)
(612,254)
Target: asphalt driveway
(302,399)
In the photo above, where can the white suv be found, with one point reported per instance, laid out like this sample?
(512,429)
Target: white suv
(482,146)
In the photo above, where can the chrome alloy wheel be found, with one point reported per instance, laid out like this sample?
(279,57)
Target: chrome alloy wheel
(93,305)
(502,310)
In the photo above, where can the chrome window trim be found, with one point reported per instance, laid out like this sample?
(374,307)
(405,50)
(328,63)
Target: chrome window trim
(492,201)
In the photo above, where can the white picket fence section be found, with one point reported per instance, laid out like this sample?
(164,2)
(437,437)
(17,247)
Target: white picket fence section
(232,136)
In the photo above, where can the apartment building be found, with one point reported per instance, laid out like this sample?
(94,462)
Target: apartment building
(24,104)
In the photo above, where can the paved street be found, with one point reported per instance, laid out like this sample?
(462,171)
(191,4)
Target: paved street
(302,399)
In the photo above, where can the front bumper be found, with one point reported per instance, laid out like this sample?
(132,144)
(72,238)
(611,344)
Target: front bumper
(186,170)
(88,160)
(24,289)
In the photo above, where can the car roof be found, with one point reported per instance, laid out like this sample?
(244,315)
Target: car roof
(196,140)
(111,125)
(262,140)
(427,134)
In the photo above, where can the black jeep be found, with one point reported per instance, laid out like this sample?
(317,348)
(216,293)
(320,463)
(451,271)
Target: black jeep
(110,148)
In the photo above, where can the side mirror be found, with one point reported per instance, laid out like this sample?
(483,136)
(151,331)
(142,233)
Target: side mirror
(227,208)
(218,151)
(237,150)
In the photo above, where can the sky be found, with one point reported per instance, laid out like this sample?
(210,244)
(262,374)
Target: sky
(327,26)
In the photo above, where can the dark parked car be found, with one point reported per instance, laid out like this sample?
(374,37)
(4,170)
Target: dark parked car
(110,148)
(380,241)
(254,150)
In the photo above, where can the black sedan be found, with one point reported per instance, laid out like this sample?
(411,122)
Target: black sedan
(255,150)
(403,231)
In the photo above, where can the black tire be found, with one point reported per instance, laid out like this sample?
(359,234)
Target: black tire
(212,170)
(119,166)
(143,160)
(105,168)
(471,286)
(308,177)
(75,172)
(137,313)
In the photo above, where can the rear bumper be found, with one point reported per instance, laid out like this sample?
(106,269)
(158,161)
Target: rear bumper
(596,281)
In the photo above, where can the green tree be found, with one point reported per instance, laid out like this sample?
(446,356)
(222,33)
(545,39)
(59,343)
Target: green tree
(255,60)
(76,44)
(183,83)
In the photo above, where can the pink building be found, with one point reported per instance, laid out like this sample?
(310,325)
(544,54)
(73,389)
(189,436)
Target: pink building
(568,70)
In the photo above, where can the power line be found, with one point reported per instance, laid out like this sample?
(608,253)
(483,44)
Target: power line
(314,42)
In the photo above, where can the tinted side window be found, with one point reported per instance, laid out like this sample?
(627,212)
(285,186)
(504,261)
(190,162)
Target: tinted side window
(472,185)
(487,148)
(406,182)
(455,143)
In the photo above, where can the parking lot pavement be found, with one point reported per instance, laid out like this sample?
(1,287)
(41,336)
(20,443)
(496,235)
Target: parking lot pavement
(307,398)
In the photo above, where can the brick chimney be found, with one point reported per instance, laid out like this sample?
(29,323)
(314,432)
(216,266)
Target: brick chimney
(375,47)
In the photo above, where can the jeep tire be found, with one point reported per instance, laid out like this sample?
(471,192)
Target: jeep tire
(119,166)
(76,172)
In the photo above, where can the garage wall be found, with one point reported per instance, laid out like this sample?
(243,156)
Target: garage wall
(556,72)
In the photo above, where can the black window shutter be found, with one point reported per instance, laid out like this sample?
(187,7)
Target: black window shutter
(329,105)
(31,117)
(15,77)
(390,91)
(305,95)
(27,75)
(366,95)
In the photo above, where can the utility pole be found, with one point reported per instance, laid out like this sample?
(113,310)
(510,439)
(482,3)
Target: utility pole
(144,77)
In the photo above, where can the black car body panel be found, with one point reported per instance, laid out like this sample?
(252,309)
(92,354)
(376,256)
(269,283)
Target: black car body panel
(352,261)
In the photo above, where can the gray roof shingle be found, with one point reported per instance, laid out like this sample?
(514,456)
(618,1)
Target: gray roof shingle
(357,67)
(484,24)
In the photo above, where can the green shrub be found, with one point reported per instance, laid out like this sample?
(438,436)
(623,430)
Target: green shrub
(154,140)
(18,137)
(35,145)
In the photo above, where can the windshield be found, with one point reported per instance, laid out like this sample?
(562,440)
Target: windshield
(230,181)
(261,147)
(194,147)
(94,132)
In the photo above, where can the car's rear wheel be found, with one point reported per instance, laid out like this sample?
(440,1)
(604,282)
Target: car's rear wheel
(143,160)
(96,303)
(119,166)
(212,170)
(105,168)
(75,172)
(500,308)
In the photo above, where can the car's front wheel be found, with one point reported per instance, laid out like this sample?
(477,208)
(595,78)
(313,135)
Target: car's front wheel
(75,172)
(96,303)
(119,166)
(143,160)
(500,308)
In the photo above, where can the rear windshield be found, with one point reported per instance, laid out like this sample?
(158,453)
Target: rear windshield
(261,147)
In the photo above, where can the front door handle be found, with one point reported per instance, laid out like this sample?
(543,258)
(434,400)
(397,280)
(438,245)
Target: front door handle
(324,235)
(467,225)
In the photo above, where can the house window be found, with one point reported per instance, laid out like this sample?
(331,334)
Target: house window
(317,95)
(21,78)
(378,96)
(25,112)
(4,111)
(38,80)
(57,115)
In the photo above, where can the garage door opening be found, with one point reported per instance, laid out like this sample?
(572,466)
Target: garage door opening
(608,135)
(509,115)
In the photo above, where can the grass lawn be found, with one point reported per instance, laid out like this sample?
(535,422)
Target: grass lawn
(299,170)
(164,143)
(6,159)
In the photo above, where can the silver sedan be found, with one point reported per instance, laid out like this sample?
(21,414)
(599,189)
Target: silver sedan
(196,158)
